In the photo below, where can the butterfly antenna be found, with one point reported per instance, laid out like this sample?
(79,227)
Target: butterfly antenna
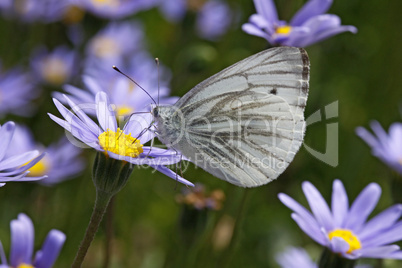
(157,67)
(132,80)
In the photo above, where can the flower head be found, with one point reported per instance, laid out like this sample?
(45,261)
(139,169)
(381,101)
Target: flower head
(15,168)
(309,25)
(119,144)
(127,96)
(60,163)
(114,43)
(387,147)
(22,244)
(214,19)
(16,93)
(56,67)
(345,229)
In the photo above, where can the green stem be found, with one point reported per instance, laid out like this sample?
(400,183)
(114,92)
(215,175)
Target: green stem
(101,203)
(109,232)
(330,259)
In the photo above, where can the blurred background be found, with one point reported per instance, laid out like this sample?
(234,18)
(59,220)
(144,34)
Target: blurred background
(151,227)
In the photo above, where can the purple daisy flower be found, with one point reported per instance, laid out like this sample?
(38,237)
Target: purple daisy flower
(15,168)
(55,67)
(17,92)
(114,43)
(115,9)
(213,20)
(173,10)
(387,147)
(22,244)
(345,230)
(123,93)
(126,144)
(310,24)
(294,257)
(60,163)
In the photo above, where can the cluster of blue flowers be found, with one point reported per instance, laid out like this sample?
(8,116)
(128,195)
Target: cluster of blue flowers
(111,98)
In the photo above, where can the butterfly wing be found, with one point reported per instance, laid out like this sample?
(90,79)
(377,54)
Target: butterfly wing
(246,123)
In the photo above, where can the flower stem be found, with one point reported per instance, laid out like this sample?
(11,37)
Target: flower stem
(331,259)
(109,232)
(101,203)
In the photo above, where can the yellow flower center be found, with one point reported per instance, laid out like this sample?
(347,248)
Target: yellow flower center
(24,265)
(73,15)
(124,110)
(106,3)
(283,30)
(120,143)
(348,236)
(104,47)
(39,169)
(54,71)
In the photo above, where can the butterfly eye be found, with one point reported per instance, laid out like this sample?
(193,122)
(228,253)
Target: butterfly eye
(155,112)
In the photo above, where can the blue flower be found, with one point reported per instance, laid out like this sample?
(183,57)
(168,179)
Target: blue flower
(114,43)
(173,10)
(213,20)
(60,163)
(298,258)
(345,230)
(310,24)
(387,147)
(16,93)
(15,168)
(115,9)
(124,144)
(56,67)
(22,244)
(127,96)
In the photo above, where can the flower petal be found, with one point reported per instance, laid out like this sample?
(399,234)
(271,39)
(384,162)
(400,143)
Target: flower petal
(172,175)
(310,9)
(315,234)
(267,9)
(377,252)
(318,206)
(339,203)
(106,117)
(6,134)
(362,207)
(382,221)
(46,257)
(22,240)
(390,235)
(339,245)
(16,161)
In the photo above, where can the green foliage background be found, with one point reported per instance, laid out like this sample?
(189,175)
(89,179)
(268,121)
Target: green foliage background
(362,72)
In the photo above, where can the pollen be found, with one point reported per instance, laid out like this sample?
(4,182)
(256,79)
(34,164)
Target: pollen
(348,236)
(54,70)
(283,30)
(120,143)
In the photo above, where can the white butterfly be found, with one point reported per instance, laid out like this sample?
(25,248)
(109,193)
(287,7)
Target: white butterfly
(246,123)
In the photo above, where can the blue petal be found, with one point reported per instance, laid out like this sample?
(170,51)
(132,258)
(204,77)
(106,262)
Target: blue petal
(339,245)
(318,206)
(172,175)
(362,207)
(16,161)
(340,203)
(382,221)
(267,9)
(377,252)
(47,256)
(309,229)
(390,235)
(6,134)
(310,9)
(22,240)
(106,117)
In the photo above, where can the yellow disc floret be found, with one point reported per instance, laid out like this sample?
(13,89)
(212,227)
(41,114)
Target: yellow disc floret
(124,110)
(120,143)
(39,169)
(23,265)
(348,236)
(286,29)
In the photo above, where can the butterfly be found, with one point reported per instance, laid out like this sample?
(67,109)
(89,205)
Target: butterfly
(245,124)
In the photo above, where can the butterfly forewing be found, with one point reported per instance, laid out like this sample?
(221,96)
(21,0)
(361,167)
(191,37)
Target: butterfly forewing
(244,124)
